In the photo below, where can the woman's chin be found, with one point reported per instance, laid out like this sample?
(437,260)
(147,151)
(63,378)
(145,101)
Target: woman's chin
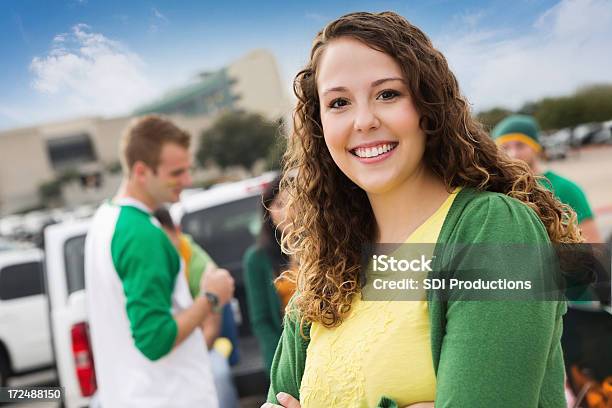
(376,185)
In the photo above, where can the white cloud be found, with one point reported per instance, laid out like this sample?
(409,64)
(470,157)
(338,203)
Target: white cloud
(123,18)
(470,19)
(319,18)
(158,14)
(567,47)
(22,31)
(158,21)
(87,73)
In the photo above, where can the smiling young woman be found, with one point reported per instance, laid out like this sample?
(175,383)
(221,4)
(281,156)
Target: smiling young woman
(385,151)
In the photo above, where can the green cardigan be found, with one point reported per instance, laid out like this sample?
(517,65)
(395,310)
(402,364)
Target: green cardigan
(263,302)
(485,353)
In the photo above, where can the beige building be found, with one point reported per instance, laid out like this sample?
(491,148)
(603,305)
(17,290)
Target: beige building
(251,84)
(87,148)
(83,148)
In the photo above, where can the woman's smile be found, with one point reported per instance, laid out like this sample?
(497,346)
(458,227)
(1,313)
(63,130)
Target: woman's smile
(373,152)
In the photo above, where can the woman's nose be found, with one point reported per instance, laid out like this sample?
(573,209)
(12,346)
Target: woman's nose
(365,119)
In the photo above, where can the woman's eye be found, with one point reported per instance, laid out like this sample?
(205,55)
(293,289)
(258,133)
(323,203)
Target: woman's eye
(388,95)
(338,103)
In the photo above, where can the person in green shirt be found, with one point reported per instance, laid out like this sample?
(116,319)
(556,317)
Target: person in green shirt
(385,150)
(583,340)
(197,262)
(264,262)
(519,136)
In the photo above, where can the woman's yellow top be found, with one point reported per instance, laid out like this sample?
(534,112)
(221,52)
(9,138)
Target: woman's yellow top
(382,348)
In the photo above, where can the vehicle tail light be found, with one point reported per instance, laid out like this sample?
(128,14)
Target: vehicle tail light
(257,187)
(83,359)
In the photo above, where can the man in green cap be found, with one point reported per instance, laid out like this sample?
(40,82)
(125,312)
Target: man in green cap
(518,135)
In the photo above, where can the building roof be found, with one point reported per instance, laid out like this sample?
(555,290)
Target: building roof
(207,83)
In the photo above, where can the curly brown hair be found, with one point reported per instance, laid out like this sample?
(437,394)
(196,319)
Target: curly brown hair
(333,217)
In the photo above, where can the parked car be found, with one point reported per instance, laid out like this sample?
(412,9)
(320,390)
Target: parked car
(557,145)
(64,266)
(582,134)
(601,136)
(224,220)
(25,343)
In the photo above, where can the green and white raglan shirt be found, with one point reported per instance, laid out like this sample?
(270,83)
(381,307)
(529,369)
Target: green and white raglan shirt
(133,289)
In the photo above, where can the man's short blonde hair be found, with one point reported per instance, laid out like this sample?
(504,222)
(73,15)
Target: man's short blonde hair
(144,138)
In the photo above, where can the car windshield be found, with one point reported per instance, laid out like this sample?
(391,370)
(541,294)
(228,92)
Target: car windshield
(224,231)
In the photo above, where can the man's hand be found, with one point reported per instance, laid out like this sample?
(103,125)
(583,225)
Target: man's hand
(218,281)
(286,401)
(421,405)
(214,280)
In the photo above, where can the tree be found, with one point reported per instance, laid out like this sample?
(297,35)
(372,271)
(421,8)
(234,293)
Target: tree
(492,117)
(588,104)
(275,154)
(529,108)
(237,138)
(50,192)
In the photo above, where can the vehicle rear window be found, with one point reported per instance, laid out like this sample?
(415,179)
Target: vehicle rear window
(74,258)
(227,230)
(21,280)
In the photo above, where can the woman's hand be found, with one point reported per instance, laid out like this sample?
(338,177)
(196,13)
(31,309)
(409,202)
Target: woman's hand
(287,401)
(420,405)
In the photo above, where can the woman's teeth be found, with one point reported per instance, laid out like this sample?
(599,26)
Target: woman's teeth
(366,152)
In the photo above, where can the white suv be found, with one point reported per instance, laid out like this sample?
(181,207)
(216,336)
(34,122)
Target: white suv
(25,344)
(224,220)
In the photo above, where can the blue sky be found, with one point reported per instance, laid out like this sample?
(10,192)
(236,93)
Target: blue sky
(64,59)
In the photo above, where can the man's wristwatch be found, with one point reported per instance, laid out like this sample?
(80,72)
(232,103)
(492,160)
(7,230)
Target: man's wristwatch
(212,299)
